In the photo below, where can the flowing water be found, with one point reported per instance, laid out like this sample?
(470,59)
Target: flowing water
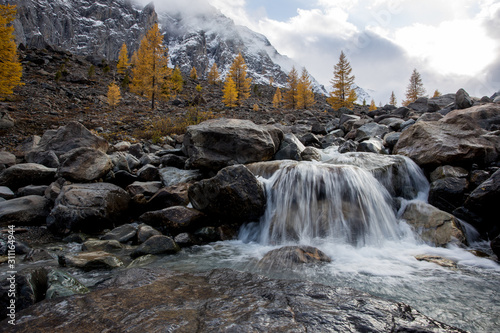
(348,208)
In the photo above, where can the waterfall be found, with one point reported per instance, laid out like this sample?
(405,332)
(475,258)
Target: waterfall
(308,200)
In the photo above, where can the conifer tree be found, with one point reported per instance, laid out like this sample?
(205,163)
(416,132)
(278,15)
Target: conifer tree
(343,94)
(230,98)
(176,80)
(114,95)
(193,74)
(123,62)
(393,100)
(373,106)
(290,96)
(10,68)
(277,99)
(305,94)
(213,75)
(150,70)
(415,88)
(238,72)
(437,93)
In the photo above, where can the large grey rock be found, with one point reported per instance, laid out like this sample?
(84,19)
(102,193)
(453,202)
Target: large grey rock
(448,193)
(156,245)
(89,261)
(88,208)
(291,256)
(175,220)
(433,225)
(371,130)
(448,171)
(84,165)
(234,194)
(223,300)
(6,121)
(6,193)
(21,175)
(290,148)
(171,176)
(47,158)
(69,137)
(122,234)
(62,284)
(7,159)
(485,116)
(109,245)
(215,144)
(463,100)
(25,211)
(144,188)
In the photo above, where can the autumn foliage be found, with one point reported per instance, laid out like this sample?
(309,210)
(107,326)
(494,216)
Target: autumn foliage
(114,95)
(343,94)
(123,62)
(10,67)
(415,88)
(230,98)
(238,73)
(290,96)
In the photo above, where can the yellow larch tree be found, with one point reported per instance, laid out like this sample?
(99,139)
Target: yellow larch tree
(437,93)
(11,69)
(213,75)
(373,106)
(277,99)
(176,80)
(343,93)
(415,88)
(123,62)
(230,98)
(150,72)
(114,95)
(305,94)
(193,74)
(238,73)
(290,95)
(393,100)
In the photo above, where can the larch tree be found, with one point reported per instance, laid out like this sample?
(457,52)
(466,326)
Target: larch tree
(11,70)
(230,98)
(393,100)
(123,61)
(437,93)
(176,80)
(373,106)
(238,73)
(277,99)
(151,71)
(415,88)
(213,75)
(290,95)
(343,94)
(305,94)
(193,74)
(114,95)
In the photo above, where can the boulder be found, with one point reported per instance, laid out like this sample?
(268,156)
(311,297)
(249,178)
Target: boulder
(233,194)
(174,220)
(215,144)
(187,239)
(6,121)
(6,193)
(448,193)
(62,284)
(371,130)
(441,142)
(485,116)
(47,158)
(156,245)
(145,232)
(84,165)
(172,176)
(89,261)
(169,196)
(148,173)
(32,190)
(391,139)
(433,225)
(463,100)
(372,145)
(448,171)
(73,135)
(171,160)
(109,245)
(21,175)
(443,262)
(88,208)
(311,154)
(7,159)
(310,140)
(291,256)
(428,116)
(145,188)
(421,105)
(290,148)
(407,124)
(122,234)
(25,211)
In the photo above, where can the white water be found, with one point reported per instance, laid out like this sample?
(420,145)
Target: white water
(347,212)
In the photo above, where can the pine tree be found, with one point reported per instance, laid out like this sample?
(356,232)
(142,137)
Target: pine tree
(176,80)
(213,75)
(437,93)
(343,94)
(10,68)
(393,100)
(150,70)
(305,94)
(277,99)
(230,98)
(123,62)
(415,88)
(114,95)
(373,106)
(238,72)
(193,74)
(290,96)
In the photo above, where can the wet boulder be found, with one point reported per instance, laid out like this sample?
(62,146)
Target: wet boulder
(156,245)
(93,245)
(84,165)
(174,220)
(485,116)
(233,194)
(25,211)
(7,159)
(215,144)
(448,193)
(47,158)
(171,176)
(290,148)
(433,225)
(144,188)
(145,232)
(122,234)
(88,207)
(25,174)
(463,100)
(291,256)
(89,261)
(371,130)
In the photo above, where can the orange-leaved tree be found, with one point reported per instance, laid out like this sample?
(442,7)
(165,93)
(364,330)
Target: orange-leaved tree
(114,95)
(415,88)
(213,75)
(290,95)
(230,98)
(150,70)
(238,73)
(393,100)
(305,94)
(277,99)
(193,74)
(10,68)
(123,62)
(343,94)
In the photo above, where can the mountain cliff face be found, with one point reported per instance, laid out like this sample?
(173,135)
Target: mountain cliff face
(99,28)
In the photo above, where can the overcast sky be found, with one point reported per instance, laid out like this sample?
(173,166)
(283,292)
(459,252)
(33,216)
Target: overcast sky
(452,44)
